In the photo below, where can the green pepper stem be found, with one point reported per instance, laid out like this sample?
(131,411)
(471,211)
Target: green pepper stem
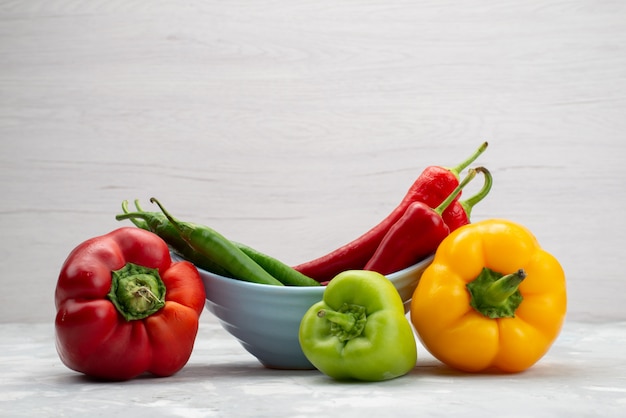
(346,323)
(136,291)
(457,170)
(138,218)
(344,320)
(138,206)
(133,216)
(181,227)
(499,291)
(496,295)
(469,203)
(470,175)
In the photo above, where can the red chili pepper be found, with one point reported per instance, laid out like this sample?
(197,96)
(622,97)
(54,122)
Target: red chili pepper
(416,235)
(459,211)
(124,308)
(432,187)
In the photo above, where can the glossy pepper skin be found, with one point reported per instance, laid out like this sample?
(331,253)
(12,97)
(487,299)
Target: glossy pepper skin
(415,235)
(359,330)
(124,308)
(492,299)
(431,187)
(459,212)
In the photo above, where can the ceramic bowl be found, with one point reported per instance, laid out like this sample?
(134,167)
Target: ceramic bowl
(266,319)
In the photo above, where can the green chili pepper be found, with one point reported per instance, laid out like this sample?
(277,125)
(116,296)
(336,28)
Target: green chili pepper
(359,330)
(218,249)
(159,224)
(287,275)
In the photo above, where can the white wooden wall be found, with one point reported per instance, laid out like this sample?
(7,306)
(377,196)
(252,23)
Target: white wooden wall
(294,126)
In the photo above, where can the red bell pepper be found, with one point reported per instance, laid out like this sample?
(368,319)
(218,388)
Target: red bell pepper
(124,308)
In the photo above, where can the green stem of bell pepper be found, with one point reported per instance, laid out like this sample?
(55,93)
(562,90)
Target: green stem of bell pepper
(347,323)
(495,295)
(136,291)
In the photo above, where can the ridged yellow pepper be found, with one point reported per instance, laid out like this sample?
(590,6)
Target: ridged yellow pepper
(492,299)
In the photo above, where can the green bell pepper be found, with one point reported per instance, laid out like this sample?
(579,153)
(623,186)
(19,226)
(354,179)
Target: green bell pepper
(359,330)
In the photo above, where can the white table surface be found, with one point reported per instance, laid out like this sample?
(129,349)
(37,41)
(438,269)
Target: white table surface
(294,126)
(583,375)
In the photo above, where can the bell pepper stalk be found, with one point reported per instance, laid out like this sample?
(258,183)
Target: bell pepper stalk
(491,300)
(359,331)
(124,308)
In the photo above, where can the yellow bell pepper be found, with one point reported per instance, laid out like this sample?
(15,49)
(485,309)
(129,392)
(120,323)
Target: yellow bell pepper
(492,299)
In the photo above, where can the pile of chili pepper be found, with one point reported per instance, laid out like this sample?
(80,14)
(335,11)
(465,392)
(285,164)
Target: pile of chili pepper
(430,210)
(419,231)
(412,222)
(211,251)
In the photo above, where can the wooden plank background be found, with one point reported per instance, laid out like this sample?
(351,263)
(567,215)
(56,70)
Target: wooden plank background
(294,126)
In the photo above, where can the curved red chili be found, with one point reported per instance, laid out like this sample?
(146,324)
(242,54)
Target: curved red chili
(415,236)
(432,187)
(458,212)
